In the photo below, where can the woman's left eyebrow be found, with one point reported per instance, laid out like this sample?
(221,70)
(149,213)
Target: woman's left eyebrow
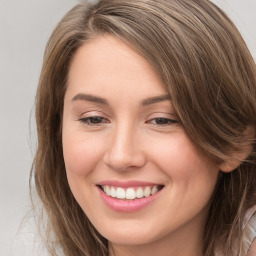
(156,99)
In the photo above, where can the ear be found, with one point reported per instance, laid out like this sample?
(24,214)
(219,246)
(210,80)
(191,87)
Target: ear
(233,162)
(238,157)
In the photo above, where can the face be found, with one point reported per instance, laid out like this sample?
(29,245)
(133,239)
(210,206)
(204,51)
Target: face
(130,165)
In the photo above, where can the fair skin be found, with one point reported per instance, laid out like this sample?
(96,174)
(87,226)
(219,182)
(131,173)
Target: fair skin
(120,129)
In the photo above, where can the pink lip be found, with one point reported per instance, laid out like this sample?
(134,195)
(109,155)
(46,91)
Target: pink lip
(127,205)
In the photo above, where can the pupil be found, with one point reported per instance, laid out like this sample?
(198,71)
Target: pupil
(161,121)
(96,119)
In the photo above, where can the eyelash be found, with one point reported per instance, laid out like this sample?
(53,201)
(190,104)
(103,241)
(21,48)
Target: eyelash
(97,120)
(89,120)
(162,121)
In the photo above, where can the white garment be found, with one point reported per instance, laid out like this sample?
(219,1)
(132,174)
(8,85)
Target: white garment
(249,236)
(249,240)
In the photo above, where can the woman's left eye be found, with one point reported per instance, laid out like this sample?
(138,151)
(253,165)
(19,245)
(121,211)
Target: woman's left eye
(162,121)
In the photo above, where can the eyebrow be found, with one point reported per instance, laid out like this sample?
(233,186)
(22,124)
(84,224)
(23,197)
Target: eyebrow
(156,99)
(91,98)
(96,99)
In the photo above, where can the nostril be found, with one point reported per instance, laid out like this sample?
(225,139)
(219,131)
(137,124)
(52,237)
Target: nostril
(122,155)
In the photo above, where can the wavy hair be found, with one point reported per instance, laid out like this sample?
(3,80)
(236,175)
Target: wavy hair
(211,77)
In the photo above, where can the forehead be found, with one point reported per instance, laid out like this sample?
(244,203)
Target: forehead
(107,63)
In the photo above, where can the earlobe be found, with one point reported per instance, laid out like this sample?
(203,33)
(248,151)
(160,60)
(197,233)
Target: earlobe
(230,164)
(237,158)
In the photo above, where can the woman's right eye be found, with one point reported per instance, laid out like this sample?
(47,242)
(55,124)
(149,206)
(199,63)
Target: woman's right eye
(93,120)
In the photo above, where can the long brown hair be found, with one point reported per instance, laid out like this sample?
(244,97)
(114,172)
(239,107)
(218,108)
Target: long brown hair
(211,77)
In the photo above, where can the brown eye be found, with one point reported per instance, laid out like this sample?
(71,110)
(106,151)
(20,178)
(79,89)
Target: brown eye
(93,120)
(162,121)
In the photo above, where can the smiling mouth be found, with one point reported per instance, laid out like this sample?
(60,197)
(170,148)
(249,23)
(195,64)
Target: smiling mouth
(130,193)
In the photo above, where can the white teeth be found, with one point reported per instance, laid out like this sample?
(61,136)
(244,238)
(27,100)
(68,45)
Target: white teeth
(107,190)
(154,190)
(112,192)
(129,193)
(147,191)
(120,193)
(139,193)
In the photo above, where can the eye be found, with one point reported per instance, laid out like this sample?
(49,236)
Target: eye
(93,120)
(162,121)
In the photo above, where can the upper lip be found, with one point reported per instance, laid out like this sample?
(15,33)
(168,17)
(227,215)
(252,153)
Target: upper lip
(126,184)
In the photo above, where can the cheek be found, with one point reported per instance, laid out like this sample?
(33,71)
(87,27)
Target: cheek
(81,153)
(81,157)
(192,179)
(179,157)
(189,171)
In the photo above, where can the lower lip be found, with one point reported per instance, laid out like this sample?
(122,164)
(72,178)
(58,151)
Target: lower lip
(127,205)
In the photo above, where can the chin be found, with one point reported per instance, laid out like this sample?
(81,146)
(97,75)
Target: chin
(129,235)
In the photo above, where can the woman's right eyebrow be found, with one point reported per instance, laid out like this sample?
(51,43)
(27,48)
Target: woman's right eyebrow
(90,98)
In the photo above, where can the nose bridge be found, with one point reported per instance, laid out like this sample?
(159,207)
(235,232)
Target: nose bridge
(124,150)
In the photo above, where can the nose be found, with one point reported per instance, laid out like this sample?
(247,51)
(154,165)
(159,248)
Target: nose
(125,151)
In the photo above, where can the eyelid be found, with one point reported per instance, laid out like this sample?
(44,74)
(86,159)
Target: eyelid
(161,114)
(85,117)
(91,113)
(162,120)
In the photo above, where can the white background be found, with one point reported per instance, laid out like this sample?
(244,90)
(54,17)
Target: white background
(25,26)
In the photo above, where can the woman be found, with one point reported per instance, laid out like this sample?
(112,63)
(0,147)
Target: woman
(146,131)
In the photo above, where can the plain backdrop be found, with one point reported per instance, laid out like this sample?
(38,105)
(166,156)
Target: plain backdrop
(25,26)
